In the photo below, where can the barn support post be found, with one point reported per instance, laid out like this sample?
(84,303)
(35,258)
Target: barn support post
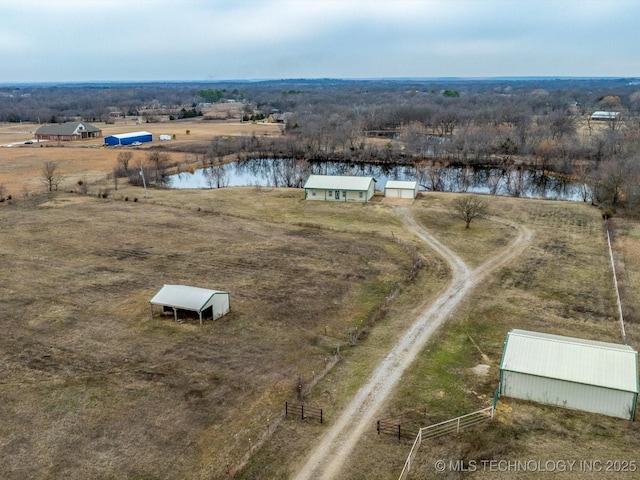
(200,313)
(175,314)
(151,308)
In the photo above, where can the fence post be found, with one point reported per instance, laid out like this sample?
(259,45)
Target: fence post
(320,415)
(302,411)
(458,427)
(399,432)
(378,426)
(286,409)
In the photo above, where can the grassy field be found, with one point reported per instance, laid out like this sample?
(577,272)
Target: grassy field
(21,164)
(93,387)
(561,285)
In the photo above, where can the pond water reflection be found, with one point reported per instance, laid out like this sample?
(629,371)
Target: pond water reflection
(293,173)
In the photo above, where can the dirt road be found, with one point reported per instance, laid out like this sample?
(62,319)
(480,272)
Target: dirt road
(327,458)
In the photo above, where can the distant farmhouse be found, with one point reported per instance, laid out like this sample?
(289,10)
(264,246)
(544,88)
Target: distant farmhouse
(604,116)
(335,188)
(68,131)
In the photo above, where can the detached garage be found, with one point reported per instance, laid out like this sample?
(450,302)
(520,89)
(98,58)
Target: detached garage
(337,188)
(205,302)
(400,189)
(128,138)
(570,372)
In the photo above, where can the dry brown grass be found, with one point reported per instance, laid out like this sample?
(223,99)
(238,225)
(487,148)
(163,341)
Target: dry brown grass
(561,285)
(93,387)
(21,165)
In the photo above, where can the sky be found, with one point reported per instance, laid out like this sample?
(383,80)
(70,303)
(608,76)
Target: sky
(211,40)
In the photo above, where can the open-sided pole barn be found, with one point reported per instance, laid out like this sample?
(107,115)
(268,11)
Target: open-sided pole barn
(194,299)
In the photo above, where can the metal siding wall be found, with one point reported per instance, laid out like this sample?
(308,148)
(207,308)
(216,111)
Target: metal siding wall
(577,396)
(220,305)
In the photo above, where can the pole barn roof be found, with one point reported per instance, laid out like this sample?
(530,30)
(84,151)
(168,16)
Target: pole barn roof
(590,362)
(184,297)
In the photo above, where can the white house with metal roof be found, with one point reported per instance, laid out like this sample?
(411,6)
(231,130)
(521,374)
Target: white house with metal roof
(401,189)
(337,188)
(569,372)
(195,299)
(605,115)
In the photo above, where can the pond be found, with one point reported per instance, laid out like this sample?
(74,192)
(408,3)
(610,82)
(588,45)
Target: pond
(292,173)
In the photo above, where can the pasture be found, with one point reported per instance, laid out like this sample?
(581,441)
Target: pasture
(93,387)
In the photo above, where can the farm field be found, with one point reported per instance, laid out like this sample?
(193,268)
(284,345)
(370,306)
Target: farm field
(551,288)
(92,386)
(20,165)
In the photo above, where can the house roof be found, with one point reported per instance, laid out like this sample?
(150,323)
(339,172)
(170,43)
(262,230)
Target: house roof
(130,134)
(401,185)
(337,182)
(184,297)
(590,362)
(67,128)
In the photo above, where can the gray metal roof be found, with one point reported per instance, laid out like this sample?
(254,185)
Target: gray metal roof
(67,128)
(605,115)
(184,297)
(590,362)
(338,182)
(401,185)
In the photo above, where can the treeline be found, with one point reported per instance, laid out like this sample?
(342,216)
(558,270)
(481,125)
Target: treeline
(528,123)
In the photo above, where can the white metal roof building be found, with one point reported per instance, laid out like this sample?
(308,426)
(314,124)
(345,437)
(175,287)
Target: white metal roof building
(400,189)
(339,188)
(194,299)
(604,115)
(569,372)
(128,138)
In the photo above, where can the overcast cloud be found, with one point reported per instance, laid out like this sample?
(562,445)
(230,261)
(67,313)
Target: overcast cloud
(139,40)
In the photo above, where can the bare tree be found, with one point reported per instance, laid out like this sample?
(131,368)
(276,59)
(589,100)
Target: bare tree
(50,177)
(124,158)
(217,176)
(469,207)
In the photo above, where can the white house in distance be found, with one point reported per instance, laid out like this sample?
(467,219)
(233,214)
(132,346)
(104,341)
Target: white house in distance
(605,116)
(569,372)
(200,300)
(400,189)
(337,188)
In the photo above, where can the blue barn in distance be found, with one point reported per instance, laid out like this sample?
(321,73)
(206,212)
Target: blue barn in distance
(128,138)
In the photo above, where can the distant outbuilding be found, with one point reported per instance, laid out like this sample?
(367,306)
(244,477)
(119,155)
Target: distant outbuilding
(203,301)
(401,189)
(569,372)
(336,188)
(128,138)
(605,116)
(68,131)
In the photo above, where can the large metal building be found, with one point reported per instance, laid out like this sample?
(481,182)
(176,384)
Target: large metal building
(195,299)
(569,372)
(128,138)
(337,188)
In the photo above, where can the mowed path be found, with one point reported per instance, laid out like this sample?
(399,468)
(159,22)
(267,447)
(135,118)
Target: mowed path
(329,455)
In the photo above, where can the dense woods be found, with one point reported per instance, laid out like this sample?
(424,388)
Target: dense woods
(511,124)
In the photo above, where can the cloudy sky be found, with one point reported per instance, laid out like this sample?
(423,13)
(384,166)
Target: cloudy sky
(138,40)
